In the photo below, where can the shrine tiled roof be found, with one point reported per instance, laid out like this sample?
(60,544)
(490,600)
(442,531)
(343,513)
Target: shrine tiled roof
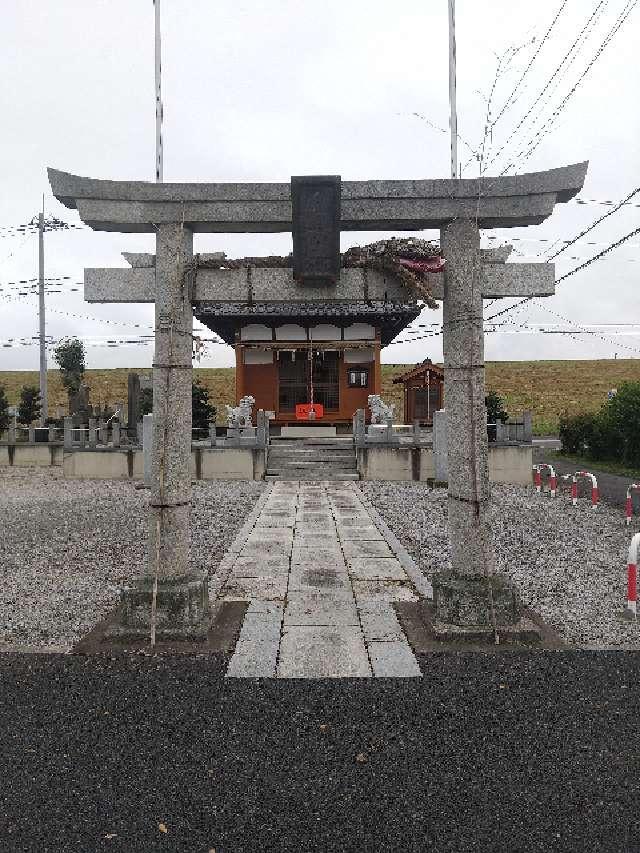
(225,317)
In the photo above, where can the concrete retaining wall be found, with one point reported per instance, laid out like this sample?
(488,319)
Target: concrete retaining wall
(395,463)
(215,463)
(508,464)
(232,463)
(511,464)
(31,455)
(111,464)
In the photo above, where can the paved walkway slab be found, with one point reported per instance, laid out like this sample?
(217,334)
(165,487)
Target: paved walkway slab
(320,573)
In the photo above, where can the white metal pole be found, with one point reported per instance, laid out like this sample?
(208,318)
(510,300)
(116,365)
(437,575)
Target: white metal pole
(453,115)
(43,352)
(159,110)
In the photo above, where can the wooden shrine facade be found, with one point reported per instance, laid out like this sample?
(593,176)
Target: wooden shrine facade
(423,392)
(288,354)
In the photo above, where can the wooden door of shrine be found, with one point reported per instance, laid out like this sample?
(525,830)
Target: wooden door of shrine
(295,374)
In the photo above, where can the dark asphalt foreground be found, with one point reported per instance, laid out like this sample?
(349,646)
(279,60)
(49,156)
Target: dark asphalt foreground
(512,752)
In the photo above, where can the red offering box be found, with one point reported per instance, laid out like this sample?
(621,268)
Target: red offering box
(306,411)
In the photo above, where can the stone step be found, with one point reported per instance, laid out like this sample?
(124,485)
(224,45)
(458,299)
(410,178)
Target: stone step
(316,472)
(321,475)
(315,458)
(306,451)
(275,441)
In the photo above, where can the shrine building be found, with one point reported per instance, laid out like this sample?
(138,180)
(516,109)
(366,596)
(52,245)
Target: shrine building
(289,356)
(423,392)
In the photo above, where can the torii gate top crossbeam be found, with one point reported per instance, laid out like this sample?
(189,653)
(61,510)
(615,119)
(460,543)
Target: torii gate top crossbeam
(496,202)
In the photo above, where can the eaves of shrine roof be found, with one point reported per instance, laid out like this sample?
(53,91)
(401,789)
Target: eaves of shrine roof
(418,371)
(225,317)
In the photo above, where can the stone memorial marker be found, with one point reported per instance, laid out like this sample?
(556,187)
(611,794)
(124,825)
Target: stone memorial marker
(469,598)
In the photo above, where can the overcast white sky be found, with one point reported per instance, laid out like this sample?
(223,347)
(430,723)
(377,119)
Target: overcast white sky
(263,89)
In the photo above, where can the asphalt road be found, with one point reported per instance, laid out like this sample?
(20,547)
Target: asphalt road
(511,752)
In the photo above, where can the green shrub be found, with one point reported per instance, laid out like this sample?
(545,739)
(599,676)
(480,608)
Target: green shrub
(576,432)
(29,408)
(495,412)
(612,434)
(4,410)
(202,412)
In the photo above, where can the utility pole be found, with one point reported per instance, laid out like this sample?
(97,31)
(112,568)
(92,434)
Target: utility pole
(159,110)
(453,115)
(43,352)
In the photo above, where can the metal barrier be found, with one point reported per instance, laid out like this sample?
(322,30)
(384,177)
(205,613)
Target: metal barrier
(632,575)
(628,507)
(594,487)
(537,478)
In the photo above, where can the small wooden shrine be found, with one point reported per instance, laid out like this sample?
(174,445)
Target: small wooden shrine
(289,356)
(423,392)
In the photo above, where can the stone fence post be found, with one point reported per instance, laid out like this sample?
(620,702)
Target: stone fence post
(262,428)
(103,431)
(440,446)
(68,433)
(115,433)
(32,434)
(527,420)
(147,442)
(92,433)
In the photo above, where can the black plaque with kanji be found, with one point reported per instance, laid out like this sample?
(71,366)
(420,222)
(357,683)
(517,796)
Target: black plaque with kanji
(315,202)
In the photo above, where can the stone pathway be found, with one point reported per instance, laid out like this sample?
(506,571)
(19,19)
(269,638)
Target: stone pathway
(320,570)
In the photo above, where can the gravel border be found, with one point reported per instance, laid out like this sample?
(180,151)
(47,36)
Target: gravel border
(67,547)
(569,563)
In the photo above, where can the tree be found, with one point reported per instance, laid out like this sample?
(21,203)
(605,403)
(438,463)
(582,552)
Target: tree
(202,412)
(29,407)
(4,410)
(495,412)
(146,401)
(69,356)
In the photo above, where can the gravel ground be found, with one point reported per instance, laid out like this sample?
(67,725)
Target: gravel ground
(514,753)
(67,546)
(570,564)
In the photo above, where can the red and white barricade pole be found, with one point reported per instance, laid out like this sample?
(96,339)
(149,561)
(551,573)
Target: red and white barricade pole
(632,575)
(594,488)
(628,507)
(537,478)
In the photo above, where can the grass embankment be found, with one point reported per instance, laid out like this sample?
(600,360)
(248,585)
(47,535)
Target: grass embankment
(548,388)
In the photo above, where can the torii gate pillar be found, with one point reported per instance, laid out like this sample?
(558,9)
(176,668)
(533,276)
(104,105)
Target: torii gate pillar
(179,599)
(471,594)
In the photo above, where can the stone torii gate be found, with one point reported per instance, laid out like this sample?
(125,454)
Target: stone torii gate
(470,596)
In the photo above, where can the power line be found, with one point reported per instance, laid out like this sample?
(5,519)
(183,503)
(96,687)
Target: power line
(571,272)
(535,141)
(548,83)
(597,222)
(527,69)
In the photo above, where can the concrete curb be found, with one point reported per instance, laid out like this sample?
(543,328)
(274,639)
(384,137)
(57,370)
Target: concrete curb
(405,559)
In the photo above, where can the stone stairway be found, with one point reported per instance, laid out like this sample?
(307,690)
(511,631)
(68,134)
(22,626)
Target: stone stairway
(311,459)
